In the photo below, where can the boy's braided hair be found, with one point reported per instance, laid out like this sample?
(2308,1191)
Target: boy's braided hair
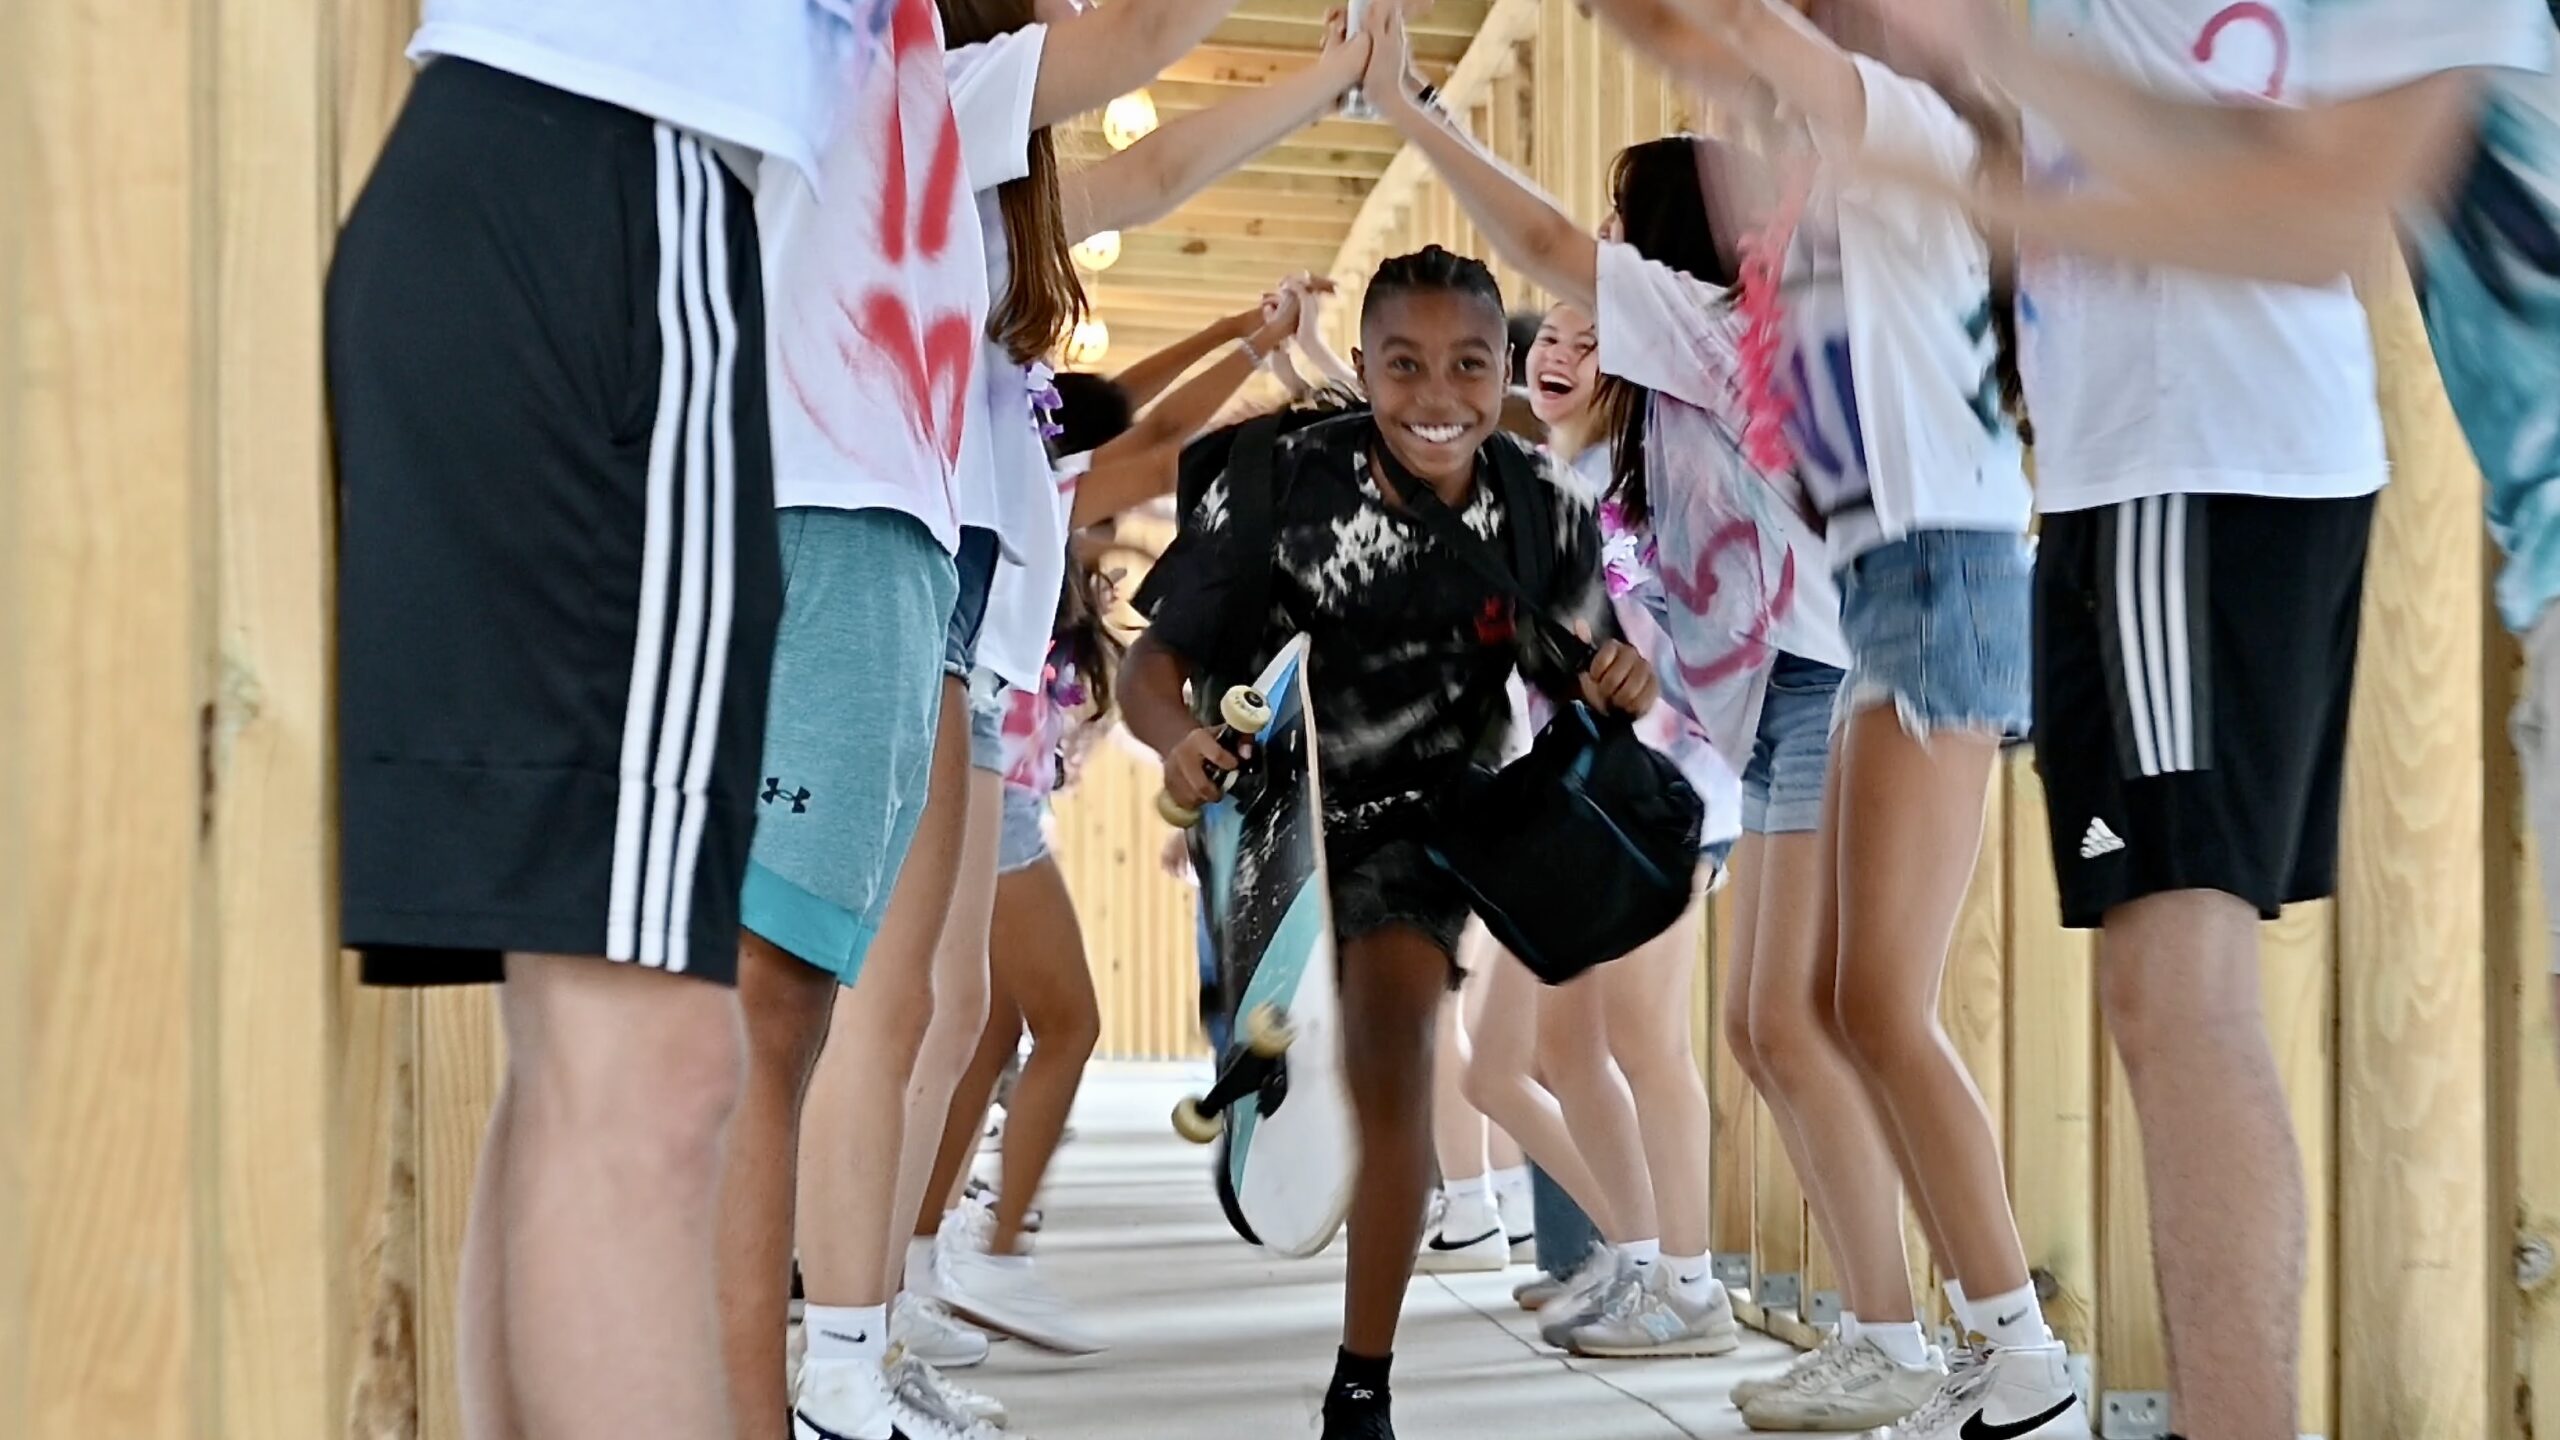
(1431,268)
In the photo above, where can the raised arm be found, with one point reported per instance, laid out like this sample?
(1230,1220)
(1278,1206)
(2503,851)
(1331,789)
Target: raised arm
(1147,379)
(1310,339)
(1149,179)
(1099,54)
(1520,221)
(1145,460)
(2279,193)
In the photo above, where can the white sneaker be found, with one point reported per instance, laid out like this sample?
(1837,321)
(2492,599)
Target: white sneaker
(918,1405)
(1534,1293)
(1446,1254)
(971,1225)
(2020,1394)
(1651,1318)
(1859,1388)
(1006,1294)
(1829,1353)
(955,1396)
(926,1329)
(843,1400)
(1584,1298)
(1520,1222)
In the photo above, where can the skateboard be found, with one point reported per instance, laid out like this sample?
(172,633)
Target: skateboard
(1280,1110)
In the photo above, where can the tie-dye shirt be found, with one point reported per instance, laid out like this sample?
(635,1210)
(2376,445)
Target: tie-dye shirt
(1410,649)
(2488,271)
(1038,726)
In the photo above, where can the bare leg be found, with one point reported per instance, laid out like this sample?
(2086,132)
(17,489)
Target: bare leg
(971,1103)
(959,1016)
(1040,963)
(856,1113)
(2178,976)
(1599,1108)
(1459,1133)
(1500,1082)
(1910,826)
(480,1315)
(1393,981)
(1779,1000)
(621,1085)
(1646,998)
(787,1005)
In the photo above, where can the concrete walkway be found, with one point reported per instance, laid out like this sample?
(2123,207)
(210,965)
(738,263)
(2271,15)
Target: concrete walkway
(1212,1340)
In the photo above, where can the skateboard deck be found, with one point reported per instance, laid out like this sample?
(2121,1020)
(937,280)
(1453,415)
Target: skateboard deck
(1287,1151)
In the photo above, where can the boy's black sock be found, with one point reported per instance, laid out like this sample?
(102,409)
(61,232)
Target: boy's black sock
(1359,1379)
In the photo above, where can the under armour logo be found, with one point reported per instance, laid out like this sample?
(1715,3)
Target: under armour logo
(774,794)
(1494,625)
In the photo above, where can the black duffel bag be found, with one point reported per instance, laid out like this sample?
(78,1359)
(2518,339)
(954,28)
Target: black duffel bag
(1585,848)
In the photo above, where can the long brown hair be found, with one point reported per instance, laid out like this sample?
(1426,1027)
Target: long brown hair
(1043,296)
(1659,192)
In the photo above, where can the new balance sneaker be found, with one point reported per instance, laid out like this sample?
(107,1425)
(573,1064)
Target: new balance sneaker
(1653,1318)
(1446,1254)
(1827,1354)
(954,1396)
(1534,1292)
(1857,1387)
(843,1400)
(926,1329)
(2019,1394)
(1005,1294)
(1584,1297)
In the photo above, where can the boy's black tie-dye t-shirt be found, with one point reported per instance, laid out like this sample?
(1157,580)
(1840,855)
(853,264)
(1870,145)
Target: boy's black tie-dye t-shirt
(1409,649)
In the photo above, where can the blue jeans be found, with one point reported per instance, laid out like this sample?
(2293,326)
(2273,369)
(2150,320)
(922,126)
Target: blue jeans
(1565,1234)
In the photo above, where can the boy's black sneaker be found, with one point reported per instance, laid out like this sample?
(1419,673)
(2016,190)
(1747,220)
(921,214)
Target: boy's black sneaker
(1356,1412)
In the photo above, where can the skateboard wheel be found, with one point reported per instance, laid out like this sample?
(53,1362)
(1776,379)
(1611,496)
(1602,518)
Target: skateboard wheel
(1267,1032)
(1245,709)
(1194,1126)
(1174,812)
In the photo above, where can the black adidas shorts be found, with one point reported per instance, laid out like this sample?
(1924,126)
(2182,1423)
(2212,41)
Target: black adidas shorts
(558,579)
(2194,661)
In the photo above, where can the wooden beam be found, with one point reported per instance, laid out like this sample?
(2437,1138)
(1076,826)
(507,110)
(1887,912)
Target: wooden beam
(1305,39)
(1441,18)
(1231,200)
(1224,220)
(1495,50)
(1223,252)
(2417,1245)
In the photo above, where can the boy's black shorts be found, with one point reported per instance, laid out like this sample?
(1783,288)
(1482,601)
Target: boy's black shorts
(2195,659)
(559,578)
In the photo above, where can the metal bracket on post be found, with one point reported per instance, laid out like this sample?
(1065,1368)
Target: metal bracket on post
(2133,1415)
(1733,1267)
(1824,1309)
(1779,1292)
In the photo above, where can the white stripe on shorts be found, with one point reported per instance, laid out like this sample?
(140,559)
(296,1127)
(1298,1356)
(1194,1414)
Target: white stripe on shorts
(669,728)
(2152,634)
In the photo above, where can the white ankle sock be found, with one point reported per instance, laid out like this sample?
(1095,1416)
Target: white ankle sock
(1692,1277)
(1850,1330)
(2011,1321)
(847,1332)
(1900,1340)
(1471,1210)
(1511,1194)
(1959,1307)
(1642,1254)
(920,1253)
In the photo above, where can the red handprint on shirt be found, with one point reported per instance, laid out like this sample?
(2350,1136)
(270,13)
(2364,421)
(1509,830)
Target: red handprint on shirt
(2258,13)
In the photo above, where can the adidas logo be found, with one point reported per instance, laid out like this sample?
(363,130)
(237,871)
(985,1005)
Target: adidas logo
(2099,841)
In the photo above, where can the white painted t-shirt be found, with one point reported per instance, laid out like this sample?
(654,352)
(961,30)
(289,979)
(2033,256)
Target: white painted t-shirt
(876,296)
(1007,485)
(756,74)
(2150,380)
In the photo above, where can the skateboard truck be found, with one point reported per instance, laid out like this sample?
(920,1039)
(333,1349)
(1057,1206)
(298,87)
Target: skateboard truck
(1259,1071)
(1244,711)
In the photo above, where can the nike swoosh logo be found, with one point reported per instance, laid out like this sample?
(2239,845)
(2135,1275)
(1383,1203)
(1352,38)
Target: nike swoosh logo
(1982,1428)
(842,1338)
(2005,1321)
(1442,1245)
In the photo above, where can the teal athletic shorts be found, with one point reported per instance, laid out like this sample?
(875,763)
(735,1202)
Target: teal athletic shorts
(848,752)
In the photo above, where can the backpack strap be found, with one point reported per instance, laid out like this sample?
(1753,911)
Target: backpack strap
(1252,527)
(1534,513)
(1531,501)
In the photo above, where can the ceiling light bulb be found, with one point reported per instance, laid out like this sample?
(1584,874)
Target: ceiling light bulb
(1099,251)
(1127,120)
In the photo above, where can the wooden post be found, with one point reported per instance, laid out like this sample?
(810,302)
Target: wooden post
(2053,1074)
(2525,1082)
(2415,1239)
(2297,963)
